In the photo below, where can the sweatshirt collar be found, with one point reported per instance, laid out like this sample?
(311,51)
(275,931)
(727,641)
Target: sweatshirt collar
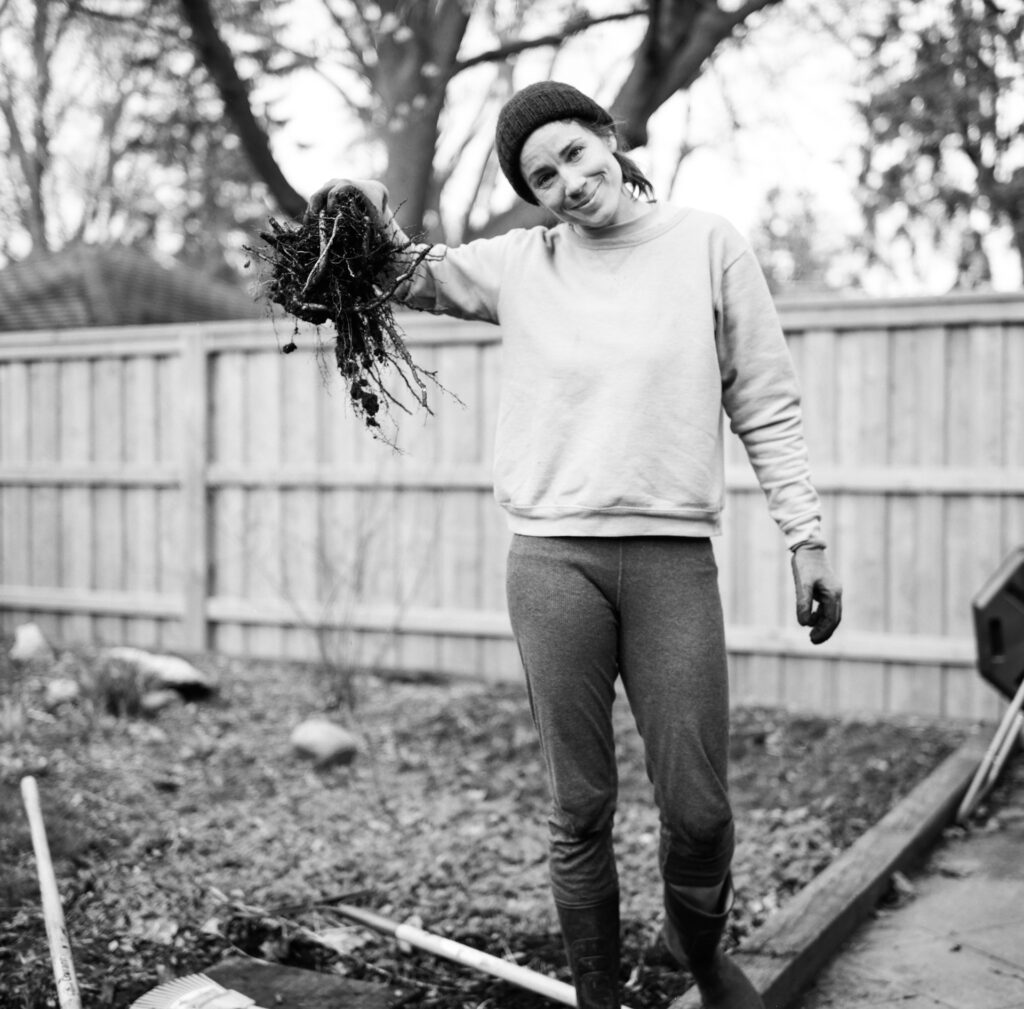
(635,232)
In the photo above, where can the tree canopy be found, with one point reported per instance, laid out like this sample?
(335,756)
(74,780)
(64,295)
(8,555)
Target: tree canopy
(158,123)
(944,152)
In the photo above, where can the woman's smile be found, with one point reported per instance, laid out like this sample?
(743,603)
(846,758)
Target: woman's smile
(587,201)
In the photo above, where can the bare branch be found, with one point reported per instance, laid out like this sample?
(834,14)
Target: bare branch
(574,26)
(234,92)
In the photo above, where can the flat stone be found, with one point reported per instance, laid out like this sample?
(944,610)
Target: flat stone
(324,741)
(30,644)
(60,690)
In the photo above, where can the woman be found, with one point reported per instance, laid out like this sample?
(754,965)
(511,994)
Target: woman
(628,329)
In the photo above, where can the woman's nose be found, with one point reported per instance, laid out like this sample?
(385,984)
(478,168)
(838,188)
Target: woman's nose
(575,183)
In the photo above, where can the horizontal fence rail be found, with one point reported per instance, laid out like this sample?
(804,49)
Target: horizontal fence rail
(192,488)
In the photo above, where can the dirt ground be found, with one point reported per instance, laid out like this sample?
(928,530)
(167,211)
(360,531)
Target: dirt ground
(197,834)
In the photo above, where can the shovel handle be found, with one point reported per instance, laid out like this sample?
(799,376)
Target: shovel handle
(524,977)
(552,988)
(53,913)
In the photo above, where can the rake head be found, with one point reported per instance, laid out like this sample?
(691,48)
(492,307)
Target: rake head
(196,991)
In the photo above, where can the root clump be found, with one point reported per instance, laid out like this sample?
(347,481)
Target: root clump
(345,269)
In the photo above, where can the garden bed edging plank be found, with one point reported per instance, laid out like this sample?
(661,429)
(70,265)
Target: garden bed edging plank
(785,954)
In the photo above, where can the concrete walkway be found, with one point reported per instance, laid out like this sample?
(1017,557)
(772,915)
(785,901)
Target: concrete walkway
(955,938)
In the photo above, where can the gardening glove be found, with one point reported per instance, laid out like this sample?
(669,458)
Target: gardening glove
(327,199)
(329,195)
(816,583)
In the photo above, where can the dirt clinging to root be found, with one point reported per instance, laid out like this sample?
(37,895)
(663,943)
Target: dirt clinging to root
(344,269)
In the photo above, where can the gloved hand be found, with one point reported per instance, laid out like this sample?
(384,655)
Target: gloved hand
(816,583)
(328,196)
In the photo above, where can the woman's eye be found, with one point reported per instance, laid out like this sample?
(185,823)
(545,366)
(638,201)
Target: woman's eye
(575,152)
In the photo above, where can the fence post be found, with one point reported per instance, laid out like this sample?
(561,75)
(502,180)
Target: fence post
(195,417)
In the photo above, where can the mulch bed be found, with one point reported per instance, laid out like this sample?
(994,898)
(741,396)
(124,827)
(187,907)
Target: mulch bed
(197,834)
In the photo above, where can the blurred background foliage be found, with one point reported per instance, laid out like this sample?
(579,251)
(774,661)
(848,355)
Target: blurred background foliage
(167,125)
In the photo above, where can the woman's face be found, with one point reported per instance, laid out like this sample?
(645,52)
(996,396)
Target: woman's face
(574,174)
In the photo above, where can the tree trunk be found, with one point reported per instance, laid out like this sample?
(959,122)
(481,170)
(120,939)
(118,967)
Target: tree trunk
(681,36)
(410,172)
(410,82)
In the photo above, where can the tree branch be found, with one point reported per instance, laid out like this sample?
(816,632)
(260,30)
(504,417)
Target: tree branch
(234,92)
(574,26)
(672,56)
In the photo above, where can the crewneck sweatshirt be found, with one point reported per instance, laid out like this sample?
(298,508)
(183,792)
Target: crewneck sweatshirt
(622,352)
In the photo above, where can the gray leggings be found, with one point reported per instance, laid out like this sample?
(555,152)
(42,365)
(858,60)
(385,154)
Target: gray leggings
(585,610)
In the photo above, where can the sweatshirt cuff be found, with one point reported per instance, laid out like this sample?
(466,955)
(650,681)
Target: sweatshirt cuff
(808,534)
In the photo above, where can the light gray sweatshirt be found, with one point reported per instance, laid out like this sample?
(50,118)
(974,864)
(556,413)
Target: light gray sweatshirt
(620,351)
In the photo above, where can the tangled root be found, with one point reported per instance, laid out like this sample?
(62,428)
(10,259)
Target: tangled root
(345,270)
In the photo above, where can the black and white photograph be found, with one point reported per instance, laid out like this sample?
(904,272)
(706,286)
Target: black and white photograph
(511,503)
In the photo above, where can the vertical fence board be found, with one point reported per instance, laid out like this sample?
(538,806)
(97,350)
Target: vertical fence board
(141,436)
(14,549)
(862,398)
(228,446)
(228,391)
(819,381)
(987,363)
(14,500)
(459,586)
(14,412)
(44,437)
(930,575)
(960,445)
(194,501)
(44,411)
(916,688)
(958,544)
(1013,401)
(862,687)
(808,684)
(264,518)
(756,679)
(302,548)
(107,501)
(75,504)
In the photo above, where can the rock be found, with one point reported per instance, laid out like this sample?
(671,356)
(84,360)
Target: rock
(158,672)
(152,702)
(324,741)
(60,690)
(30,644)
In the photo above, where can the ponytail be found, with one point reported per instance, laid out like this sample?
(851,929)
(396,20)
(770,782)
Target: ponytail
(633,178)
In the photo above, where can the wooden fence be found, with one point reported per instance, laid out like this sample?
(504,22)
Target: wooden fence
(191,488)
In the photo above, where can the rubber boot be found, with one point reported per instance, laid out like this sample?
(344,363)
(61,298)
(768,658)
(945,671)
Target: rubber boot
(692,936)
(591,936)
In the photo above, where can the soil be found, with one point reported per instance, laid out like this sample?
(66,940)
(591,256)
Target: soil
(197,834)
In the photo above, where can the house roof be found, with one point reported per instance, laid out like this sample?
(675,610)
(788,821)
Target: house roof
(90,285)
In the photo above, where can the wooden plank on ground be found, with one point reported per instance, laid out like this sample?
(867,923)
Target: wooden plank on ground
(784,955)
(271,984)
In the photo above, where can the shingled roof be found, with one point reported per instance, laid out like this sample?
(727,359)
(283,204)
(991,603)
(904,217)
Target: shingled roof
(90,285)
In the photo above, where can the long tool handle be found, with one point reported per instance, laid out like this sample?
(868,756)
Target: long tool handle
(549,987)
(53,913)
(995,756)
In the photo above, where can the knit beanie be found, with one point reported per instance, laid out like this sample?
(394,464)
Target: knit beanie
(534,106)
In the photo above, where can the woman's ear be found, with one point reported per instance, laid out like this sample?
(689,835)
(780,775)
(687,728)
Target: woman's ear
(612,141)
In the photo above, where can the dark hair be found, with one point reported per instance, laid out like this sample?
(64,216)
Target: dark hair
(632,177)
